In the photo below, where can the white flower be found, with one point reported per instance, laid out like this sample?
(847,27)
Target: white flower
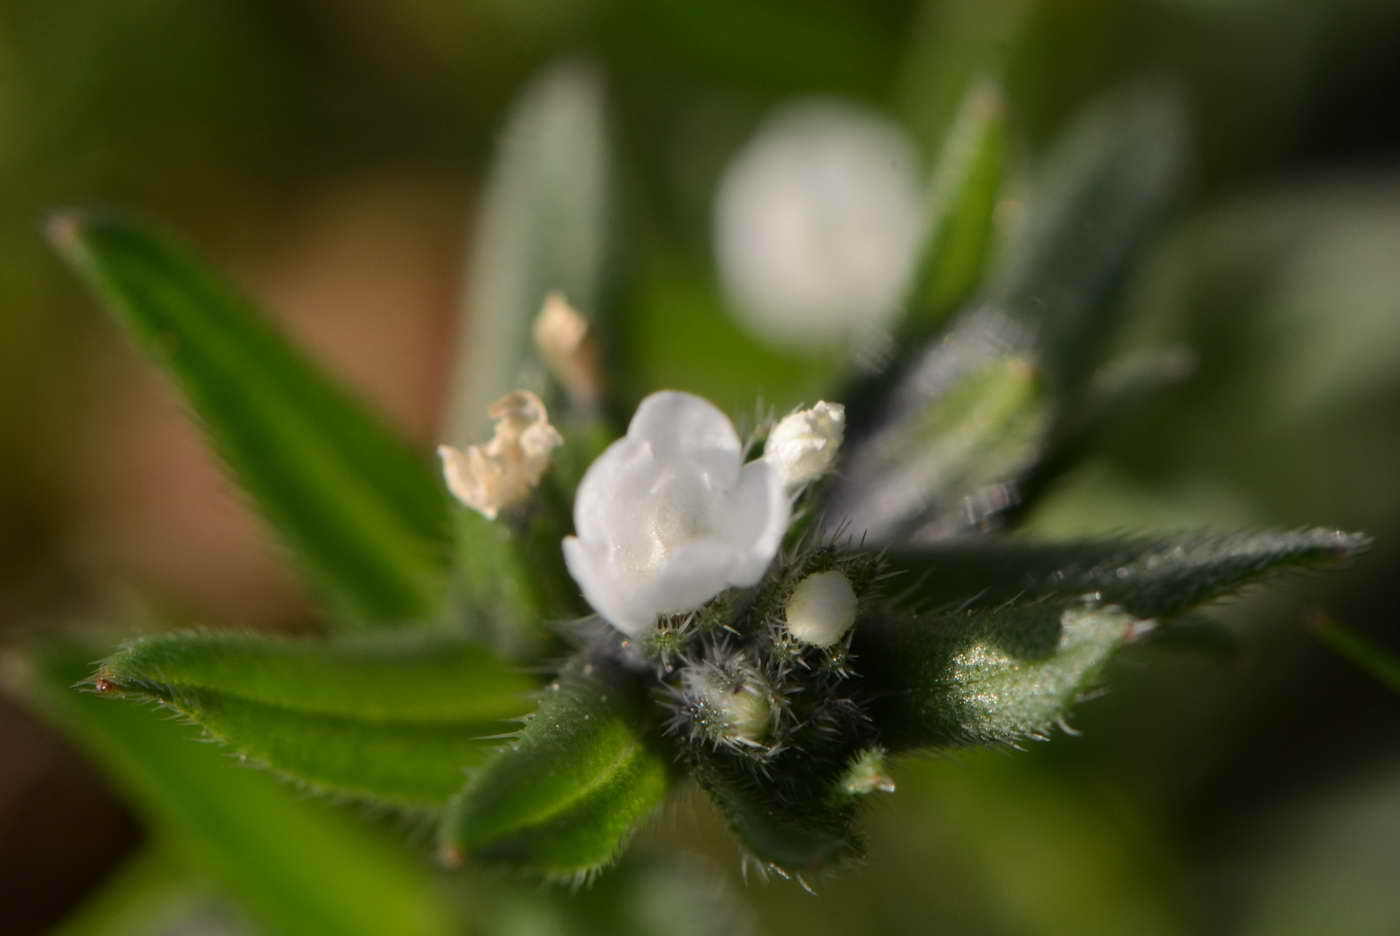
(803,445)
(821,609)
(669,516)
(505,470)
(817,221)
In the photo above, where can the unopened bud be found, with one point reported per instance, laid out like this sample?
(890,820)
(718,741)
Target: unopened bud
(734,711)
(489,478)
(821,609)
(803,446)
(567,346)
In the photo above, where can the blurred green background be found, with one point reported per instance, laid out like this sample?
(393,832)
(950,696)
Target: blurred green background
(331,156)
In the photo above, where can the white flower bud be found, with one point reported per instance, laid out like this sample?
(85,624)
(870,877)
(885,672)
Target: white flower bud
(505,470)
(822,609)
(803,446)
(736,712)
(669,516)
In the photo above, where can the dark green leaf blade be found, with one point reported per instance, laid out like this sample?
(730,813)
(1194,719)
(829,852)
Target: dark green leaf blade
(985,676)
(1051,307)
(364,515)
(1105,192)
(565,796)
(271,847)
(377,717)
(792,817)
(1150,577)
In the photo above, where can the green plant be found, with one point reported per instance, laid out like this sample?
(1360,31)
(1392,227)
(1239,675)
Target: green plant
(935,627)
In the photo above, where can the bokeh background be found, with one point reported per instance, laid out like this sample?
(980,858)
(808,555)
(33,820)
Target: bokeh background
(331,157)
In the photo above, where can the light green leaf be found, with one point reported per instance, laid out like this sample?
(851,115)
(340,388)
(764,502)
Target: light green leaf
(543,228)
(563,798)
(989,676)
(938,468)
(366,518)
(1150,578)
(958,233)
(274,849)
(388,718)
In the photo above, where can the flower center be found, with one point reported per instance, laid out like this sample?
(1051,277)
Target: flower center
(674,512)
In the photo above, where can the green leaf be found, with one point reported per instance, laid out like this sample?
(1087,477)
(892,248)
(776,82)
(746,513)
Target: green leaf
(959,231)
(388,718)
(1103,195)
(943,464)
(543,228)
(793,814)
(510,582)
(270,846)
(1365,654)
(365,516)
(988,676)
(1148,577)
(565,796)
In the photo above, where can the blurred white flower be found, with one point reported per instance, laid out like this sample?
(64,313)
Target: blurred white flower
(505,470)
(669,516)
(821,609)
(816,224)
(803,446)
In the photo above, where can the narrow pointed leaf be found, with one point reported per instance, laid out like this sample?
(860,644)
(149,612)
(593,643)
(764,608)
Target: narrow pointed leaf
(959,231)
(1148,577)
(274,849)
(1053,304)
(389,720)
(1103,195)
(957,242)
(563,798)
(989,676)
(362,513)
(543,228)
(949,457)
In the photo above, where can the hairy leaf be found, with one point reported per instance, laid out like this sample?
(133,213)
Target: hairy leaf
(365,515)
(563,798)
(989,676)
(793,815)
(1151,577)
(542,228)
(271,847)
(948,458)
(388,718)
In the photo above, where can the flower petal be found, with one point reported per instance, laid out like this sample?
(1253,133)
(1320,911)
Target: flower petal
(603,588)
(677,423)
(753,519)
